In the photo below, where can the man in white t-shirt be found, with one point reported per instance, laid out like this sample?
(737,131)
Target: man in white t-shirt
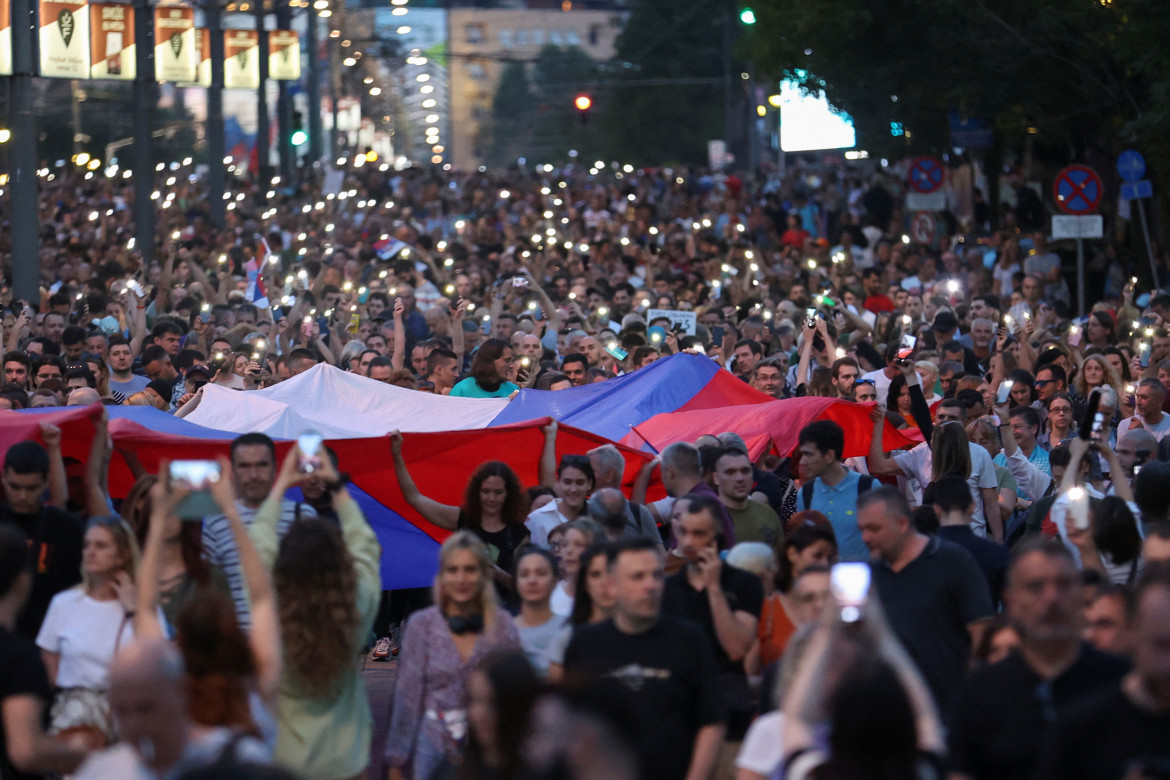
(1147,402)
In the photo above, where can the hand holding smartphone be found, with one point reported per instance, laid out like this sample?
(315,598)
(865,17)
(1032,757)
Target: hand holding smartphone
(197,477)
(849,583)
(309,443)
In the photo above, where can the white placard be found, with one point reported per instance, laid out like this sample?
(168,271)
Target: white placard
(1078,226)
(926,201)
(686,320)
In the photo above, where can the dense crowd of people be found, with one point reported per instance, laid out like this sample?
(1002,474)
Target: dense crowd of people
(991,602)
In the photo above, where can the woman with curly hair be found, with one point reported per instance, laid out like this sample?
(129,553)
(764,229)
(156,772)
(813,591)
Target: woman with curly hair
(328,585)
(494,508)
(231,677)
(442,645)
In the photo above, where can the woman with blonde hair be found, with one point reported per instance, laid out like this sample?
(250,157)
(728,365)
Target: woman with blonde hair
(441,645)
(84,628)
(1096,370)
(147,398)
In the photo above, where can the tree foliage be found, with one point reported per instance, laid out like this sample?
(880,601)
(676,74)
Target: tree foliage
(672,44)
(533,114)
(1083,73)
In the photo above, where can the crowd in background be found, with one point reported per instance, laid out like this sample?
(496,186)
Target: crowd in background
(991,602)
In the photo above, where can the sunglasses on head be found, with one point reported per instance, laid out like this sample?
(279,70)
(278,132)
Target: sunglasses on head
(869,382)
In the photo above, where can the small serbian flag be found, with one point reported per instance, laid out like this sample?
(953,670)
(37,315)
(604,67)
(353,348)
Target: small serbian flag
(257,292)
(389,247)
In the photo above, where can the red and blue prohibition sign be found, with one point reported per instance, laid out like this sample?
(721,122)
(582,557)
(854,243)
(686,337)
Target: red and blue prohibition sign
(1077,190)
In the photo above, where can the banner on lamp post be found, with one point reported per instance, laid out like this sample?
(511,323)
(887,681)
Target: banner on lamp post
(284,55)
(111,41)
(174,43)
(64,39)
(5,38)
(241,59)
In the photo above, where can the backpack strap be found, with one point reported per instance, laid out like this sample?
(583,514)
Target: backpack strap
(864,483)
(806,492)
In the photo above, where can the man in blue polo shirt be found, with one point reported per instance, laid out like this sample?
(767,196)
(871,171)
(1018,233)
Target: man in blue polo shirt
(830,488)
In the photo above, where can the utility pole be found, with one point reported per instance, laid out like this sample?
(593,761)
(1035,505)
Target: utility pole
(313,86)
(284,107)
(145,99)
(263,155)
(216,146)
(335,76)
(26,250)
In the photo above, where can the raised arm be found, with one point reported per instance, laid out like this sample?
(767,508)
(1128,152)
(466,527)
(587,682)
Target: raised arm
(880,464)
(548,455)
(58,482)
(97,468)
(264,637)
(919,409)
(442,515)
(642,482)
(457,342)
(163,500)
(398,357)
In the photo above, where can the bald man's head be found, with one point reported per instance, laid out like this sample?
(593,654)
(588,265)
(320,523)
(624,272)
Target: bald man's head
(84,396)
(608,507)
(148,701)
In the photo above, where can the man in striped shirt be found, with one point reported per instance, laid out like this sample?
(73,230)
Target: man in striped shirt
(254,472)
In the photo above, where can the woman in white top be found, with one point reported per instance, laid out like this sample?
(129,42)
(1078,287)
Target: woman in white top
(86,625)
(579,534)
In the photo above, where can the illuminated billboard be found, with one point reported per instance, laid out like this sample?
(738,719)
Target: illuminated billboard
(808,123)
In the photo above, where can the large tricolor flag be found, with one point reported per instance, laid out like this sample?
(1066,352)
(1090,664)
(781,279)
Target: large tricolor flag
(439,462)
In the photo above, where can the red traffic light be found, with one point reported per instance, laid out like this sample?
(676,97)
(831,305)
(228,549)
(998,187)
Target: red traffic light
(583,102)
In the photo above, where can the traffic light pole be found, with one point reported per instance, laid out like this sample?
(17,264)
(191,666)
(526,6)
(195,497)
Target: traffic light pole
(145,100)
(216,147)
(263,154)
(284,107)
(313,87)
(22,155)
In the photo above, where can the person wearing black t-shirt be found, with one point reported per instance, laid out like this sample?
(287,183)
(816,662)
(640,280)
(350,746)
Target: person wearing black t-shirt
(723,600)
(26,752)
(1005,711)
(936,599)
(1124,731)
(54,535)
(657,667)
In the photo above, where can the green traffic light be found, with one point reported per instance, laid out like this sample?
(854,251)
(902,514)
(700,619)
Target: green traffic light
(299,138)
(747,16)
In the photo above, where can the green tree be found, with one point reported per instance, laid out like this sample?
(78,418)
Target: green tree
(507,136)
(533,114)
(667,81)
(1082,79)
